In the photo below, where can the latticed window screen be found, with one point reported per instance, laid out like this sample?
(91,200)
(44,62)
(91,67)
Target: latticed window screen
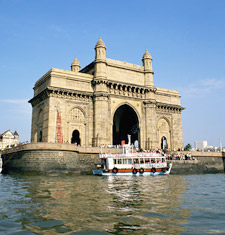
(163,125)
(76,114)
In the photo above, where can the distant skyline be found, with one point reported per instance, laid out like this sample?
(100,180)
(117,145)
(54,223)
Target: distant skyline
(186,40)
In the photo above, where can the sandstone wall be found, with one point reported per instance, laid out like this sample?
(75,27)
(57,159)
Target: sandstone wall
(206,162)
(46,157)
(203,165)
(46,161)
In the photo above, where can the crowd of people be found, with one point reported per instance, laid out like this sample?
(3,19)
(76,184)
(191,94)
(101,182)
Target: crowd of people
(180,157)
(169,156)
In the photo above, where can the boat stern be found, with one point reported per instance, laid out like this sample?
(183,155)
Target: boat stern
(170,167)
(97,172)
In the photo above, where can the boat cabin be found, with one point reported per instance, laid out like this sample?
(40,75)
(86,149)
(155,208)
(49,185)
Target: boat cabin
(140,160)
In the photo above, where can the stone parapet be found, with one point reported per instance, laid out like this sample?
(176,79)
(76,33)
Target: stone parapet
(61,147)
(124,65)
(199,154)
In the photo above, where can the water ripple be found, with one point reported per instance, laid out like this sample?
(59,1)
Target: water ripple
(112,205)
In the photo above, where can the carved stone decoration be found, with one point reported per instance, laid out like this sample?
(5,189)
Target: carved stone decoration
(107,99)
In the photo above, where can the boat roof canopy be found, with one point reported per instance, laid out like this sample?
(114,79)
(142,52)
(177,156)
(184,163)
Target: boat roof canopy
(131,155)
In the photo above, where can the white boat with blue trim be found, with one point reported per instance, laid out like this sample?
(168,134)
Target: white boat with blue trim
(133,163)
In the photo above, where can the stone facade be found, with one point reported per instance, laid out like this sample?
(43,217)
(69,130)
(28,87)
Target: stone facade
(103,102)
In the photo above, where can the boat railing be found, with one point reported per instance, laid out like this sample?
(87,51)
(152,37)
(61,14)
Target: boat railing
(140,165)
(131,155)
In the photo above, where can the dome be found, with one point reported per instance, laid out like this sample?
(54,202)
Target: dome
(75,62)
(146,55)
(100,43)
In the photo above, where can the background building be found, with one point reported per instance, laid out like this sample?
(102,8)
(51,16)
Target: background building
(201,145)
(103,102)
(8,139)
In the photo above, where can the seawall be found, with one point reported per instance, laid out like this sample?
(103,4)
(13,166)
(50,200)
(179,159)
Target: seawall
(48,157)
(205,162)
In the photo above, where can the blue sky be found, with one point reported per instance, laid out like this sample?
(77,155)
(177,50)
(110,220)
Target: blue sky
(185,38)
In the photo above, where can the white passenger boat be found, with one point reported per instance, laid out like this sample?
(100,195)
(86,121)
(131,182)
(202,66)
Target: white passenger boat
(0,164)
(133,163)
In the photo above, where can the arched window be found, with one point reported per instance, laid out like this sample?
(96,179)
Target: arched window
(164,134)
(75,137)
(164,144)
(76,115)
(40,125)
(40,137)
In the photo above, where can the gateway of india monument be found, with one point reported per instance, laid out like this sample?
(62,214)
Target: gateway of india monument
(104,102)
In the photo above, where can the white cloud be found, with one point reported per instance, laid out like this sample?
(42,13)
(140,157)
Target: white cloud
(202,88)
(12,101)
(16,106)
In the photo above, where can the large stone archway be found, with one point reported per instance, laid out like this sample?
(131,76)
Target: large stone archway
(105,101)
(125,121)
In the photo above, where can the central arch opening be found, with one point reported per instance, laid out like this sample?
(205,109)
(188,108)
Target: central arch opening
(125,121)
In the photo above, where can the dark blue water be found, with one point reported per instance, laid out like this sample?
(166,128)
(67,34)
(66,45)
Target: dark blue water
(61,204)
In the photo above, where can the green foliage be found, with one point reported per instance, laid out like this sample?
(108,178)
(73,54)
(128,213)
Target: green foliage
(187,147)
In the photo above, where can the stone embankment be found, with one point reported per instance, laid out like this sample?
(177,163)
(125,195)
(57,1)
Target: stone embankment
(205,162)
(48,157)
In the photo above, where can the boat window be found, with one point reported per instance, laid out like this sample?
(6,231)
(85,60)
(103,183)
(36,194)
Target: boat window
(136,160)
(153,160)
(124,161)
(141,160)
(103,165)
(114,161)
(129,161)
(147,160)
(119,161)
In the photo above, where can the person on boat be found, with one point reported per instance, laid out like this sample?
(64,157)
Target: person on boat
(136,144)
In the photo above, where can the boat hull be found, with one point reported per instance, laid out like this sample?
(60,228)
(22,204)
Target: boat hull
(146,172)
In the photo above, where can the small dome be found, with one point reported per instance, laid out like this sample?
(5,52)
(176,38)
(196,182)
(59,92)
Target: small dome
(100,43)
(146,55)
(75,62)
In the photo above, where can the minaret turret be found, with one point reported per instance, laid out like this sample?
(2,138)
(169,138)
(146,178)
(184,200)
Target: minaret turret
(100,60)
(100,50)
(100,97)
(75,66)
(147,63)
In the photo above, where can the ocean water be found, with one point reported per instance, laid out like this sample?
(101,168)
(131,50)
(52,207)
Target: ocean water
(66,204)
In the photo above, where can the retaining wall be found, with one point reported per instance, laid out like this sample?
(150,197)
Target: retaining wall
(47,157)
(44,157)
(206,162)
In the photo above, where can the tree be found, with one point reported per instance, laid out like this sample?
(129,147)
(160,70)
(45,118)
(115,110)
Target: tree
(187,147)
